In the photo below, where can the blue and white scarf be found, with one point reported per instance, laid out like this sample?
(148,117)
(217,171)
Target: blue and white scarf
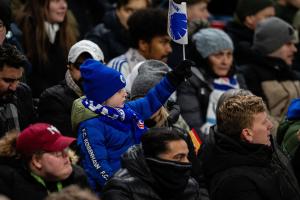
(220,85)
(124,119)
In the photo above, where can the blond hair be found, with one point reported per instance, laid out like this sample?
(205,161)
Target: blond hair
(237,113)
(160,117)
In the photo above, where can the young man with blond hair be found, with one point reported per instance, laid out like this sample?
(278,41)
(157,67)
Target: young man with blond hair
(240,160)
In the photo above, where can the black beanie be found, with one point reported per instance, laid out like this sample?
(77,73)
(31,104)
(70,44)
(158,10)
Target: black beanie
(5,13)
(246,8)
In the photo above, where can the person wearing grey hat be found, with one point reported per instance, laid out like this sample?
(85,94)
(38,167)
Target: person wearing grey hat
(248,14)
(214,74)
(150,73)
(269,74)
(56,102)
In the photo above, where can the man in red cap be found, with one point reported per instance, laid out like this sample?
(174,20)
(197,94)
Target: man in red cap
(36,162)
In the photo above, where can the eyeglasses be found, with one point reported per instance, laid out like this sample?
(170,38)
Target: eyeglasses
(59,154)
(2,27)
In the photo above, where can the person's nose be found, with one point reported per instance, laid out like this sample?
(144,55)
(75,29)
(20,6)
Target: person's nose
(294,48)
(185,160)
(225,60)
(169,48)
(13,86)
(64,4)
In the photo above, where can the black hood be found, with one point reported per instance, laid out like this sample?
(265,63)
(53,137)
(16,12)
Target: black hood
(134,161)
(112,22)
(239,32)
(222,152)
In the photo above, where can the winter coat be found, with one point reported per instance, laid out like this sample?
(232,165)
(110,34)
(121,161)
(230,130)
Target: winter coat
(238,170)
(288,134)
(242,38)
(274,81)
(193,97)
(22,99)
(55,107)
(101,142)
(110,36)
(45,75)
(17,183)
(135,182)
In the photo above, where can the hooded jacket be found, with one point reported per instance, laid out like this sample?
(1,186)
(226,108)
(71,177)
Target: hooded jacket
(238,170)
(101,142)
(135,182)
(242,38)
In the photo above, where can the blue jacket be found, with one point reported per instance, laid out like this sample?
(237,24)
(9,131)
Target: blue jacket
(101,144)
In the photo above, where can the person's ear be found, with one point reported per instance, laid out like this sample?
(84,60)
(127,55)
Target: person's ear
(247,135)
(250,21)
(143,45)
(36,161)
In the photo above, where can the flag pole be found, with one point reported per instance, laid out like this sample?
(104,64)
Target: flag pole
(183,52)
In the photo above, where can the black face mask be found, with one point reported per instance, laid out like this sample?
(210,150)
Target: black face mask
(171,177)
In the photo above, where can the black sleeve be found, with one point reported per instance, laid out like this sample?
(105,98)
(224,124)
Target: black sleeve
(237,188)
(191,110)
(115,189)
(53,110)
(24,103)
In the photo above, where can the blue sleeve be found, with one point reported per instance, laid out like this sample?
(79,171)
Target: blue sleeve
(94,154)
(154,99)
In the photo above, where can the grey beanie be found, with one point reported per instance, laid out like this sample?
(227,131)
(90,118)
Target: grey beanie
(211,40)
(149,74)
(270,34)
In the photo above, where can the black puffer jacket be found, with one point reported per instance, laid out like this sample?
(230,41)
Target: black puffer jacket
(240,170)
(16,182)
(110,36)
(55,107)
(133,181)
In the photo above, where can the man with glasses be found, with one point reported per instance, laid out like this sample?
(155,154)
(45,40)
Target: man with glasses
(56,102)
(16,107)
(37,163)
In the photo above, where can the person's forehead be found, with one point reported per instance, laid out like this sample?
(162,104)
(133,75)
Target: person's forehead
(176,146)
(135,3)
(9,70)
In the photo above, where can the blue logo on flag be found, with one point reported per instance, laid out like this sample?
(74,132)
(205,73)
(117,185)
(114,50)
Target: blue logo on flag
(178,25)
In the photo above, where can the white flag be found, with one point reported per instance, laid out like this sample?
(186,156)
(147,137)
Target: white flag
(177,22)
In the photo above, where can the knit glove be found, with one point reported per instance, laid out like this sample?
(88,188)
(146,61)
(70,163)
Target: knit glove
(181,72)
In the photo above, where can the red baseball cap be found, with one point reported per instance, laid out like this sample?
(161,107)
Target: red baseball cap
(42,137)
